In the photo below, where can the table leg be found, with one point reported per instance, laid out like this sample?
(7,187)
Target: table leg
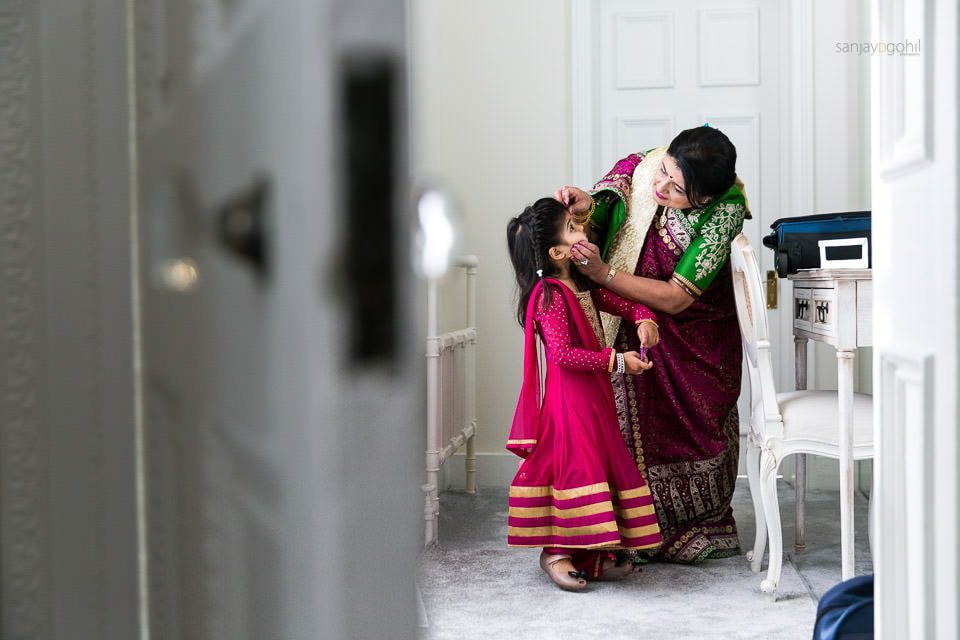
(800,487)
(845,360)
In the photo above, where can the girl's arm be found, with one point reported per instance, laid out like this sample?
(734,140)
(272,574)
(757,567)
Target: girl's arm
(609,302)
(560,350)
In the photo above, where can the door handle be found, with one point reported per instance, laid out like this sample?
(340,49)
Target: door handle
(772,287)
(242,225)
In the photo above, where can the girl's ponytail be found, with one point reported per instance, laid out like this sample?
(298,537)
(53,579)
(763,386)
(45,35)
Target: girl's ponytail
(529,237)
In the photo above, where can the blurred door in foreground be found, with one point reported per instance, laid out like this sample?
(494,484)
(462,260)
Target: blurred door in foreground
(916,138)
(280,390)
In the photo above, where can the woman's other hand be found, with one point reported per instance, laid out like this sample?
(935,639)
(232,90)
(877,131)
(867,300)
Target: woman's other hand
(633,364)
(576,200)
(586,257)
(649,334)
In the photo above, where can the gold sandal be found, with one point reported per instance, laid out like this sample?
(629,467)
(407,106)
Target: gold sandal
(561,571)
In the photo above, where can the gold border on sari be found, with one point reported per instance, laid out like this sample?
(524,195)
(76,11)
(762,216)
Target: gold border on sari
(624,252)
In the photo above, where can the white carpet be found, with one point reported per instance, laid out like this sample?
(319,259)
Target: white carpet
(475,587)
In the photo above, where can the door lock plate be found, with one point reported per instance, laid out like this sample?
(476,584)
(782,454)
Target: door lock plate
(772,289)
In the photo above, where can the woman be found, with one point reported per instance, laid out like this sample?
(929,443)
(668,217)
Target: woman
(663,222)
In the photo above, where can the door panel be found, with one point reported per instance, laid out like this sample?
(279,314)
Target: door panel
(660,67)
(274,451)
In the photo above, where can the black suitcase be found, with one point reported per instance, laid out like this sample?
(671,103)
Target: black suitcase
(795,241)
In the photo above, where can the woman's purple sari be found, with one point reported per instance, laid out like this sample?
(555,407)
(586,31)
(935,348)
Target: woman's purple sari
(680,419)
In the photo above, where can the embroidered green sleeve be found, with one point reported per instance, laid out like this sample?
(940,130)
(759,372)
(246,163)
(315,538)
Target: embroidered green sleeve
(708,253)
(608,217)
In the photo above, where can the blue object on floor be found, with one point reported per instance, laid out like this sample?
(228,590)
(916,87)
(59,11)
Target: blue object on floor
(845,611)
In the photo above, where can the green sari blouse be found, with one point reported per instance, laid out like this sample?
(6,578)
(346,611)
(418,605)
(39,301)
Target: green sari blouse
(700,237)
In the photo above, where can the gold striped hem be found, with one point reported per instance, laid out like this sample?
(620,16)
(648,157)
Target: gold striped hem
(640,532)
(563,532)
(509,442)
(636,512)
(687,286)
(562,494)
(639,492)
(594,547)
(576,512)
(597,547)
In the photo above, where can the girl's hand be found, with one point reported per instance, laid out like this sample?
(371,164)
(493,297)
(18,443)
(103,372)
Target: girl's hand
(649,334)
(576,200)
(633,364)
(595,268)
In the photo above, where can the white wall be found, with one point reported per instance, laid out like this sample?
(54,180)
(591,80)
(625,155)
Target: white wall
(841,173)
(491,104)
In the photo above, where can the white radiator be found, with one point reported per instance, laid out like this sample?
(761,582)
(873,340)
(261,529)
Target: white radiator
(451,395)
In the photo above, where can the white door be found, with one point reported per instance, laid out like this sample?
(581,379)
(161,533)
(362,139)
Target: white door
(656,67)
(916,208)
(282,410)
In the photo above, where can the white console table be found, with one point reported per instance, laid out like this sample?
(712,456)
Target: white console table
(833,306)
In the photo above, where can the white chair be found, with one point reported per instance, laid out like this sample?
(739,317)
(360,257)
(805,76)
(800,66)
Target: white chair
(782,424)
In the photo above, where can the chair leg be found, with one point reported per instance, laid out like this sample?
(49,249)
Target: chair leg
(755,557)
(871,514)
(771,508)
(800,494)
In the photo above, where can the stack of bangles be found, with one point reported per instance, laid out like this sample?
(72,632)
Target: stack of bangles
(617,364)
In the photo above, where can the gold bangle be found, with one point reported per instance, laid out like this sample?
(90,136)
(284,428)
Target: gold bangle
(610,275)
(613,358)
(584,218)
(640,322)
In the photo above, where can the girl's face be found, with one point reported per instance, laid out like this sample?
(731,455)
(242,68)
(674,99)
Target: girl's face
(668,187)
(572,233)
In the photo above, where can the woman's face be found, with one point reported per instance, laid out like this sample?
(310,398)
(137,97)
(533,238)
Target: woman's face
(668,187)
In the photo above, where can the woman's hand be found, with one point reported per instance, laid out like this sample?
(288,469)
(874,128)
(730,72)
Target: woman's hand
(649,334)
(633,364)
(576,200)
(586,257)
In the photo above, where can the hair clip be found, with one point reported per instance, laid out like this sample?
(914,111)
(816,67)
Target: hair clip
(539,273)
(706,124)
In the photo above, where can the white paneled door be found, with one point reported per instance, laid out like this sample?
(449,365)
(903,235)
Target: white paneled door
(915,230)
(648,69)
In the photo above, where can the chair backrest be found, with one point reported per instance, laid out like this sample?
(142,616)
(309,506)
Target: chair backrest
(748,290)
(754,329)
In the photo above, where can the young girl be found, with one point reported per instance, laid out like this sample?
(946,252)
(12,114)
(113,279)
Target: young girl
(578,493)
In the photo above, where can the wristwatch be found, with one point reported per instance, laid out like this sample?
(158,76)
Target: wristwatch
(610,275)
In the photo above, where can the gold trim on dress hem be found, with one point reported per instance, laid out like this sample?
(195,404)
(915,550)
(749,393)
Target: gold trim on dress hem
(558,512)
(639,492)
(606,546)
(562,494)
(564,532)
(639,532)
(636,512)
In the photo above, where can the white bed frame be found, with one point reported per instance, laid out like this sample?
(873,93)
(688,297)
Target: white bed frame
(451,395)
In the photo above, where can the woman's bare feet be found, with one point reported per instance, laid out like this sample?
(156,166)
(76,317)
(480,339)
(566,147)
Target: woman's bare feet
(610,570)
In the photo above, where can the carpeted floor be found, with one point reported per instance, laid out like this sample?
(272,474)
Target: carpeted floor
(473,586)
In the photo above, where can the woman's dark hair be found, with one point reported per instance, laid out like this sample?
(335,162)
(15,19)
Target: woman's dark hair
(529,238)
(708,161)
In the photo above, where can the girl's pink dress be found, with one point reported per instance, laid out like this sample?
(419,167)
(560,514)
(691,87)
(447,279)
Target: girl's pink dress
(578,488)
